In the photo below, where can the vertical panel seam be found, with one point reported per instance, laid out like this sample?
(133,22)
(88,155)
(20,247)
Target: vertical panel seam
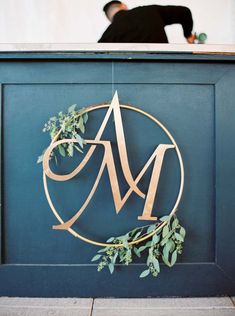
(1,173)
(214,180)
(92,306)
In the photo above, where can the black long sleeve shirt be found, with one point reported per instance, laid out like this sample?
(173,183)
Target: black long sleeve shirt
(146,24)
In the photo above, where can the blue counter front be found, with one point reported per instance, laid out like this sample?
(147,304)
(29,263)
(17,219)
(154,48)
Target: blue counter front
(193,96)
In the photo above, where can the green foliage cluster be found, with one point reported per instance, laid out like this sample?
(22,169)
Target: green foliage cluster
(165,244)
(71,125)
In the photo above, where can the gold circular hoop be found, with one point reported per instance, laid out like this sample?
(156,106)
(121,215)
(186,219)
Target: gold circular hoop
(96,243)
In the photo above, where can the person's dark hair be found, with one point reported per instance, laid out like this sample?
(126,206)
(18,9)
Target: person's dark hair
(109,4)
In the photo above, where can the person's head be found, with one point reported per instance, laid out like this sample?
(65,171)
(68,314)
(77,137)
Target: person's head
(112,7)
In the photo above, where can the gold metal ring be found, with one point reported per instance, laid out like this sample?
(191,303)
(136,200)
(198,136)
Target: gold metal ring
(174,209)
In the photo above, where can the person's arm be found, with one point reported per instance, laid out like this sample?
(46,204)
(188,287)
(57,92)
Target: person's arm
(191,38)
(179,15)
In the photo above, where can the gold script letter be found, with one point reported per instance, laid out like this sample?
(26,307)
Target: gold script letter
(108,162)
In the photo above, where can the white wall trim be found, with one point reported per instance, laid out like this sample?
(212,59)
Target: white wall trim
(115,47)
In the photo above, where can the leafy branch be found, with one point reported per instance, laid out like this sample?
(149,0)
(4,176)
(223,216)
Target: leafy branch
(67,125)
(165,244)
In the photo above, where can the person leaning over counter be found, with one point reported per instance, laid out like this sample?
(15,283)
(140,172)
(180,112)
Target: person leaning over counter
(144,24)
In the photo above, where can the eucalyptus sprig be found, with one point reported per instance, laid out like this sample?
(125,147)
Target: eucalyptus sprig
(164,245)
(71,125)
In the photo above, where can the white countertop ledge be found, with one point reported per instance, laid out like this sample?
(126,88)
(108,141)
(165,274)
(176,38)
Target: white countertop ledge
(118,47)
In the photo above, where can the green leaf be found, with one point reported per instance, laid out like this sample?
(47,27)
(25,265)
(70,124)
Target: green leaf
(125,244)
(164,240)
(151,251)
(169,245)
(156,264)
(182,232)
(155,239)
(80,140)
(62,150)
(69,128)
(70,150)
(96,257)
(78,149)
(40,159)
(149,260)
(81,125)
(128,253)
(110,239)
(175,223)
(114,258)
(85,118)
(164,218)
(122,256)
(142,248)
(103,249)
(111,267)
(174,258)
(165,231)
(148,244)
(136,251)
(72,108)
(166,252)
(63,127)
(137,235)
(132,232)
(151,228)
(179,237)
(165,260)
(144,273)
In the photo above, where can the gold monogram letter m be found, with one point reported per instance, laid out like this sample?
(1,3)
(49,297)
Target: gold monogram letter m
(108,161)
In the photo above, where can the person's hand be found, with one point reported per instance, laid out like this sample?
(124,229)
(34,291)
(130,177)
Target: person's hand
(191,38)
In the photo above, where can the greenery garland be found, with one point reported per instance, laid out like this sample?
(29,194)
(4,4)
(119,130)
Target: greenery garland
(164,245)
(67,125)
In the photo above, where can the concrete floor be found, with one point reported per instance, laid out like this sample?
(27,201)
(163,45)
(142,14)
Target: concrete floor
(213,306)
